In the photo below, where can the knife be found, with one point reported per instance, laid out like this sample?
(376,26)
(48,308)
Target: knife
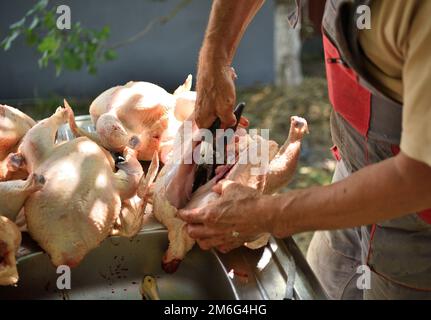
(208,150)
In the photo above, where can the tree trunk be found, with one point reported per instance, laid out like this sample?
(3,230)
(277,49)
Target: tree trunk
(288,69)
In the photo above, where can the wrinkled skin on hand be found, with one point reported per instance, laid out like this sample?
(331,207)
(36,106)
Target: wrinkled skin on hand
(238,210)
(216,96)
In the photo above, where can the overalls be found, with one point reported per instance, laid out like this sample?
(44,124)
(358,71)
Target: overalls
(366,129)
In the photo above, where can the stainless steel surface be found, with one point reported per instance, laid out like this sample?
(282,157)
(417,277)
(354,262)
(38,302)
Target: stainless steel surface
(116,268)
(65,134)
(115,271)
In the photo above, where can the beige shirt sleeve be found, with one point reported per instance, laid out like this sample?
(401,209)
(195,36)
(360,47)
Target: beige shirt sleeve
(416,135)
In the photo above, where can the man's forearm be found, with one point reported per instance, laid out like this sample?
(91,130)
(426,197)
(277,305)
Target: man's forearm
(379,192)
(227,24)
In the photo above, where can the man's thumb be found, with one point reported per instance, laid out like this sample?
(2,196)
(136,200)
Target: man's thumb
(222,186)
(228,119)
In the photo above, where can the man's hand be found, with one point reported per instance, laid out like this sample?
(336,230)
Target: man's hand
(215,82)
(216,95)
(240,215)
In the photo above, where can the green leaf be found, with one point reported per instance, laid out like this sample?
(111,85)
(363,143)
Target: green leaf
(34,23)
(90,53)
(92,69)
(18,24)
(43,61)
(49,20)
(58,67)
(77,27)
(72,61)
(49,44)
(7,42)
(39,6)
(78,48)
(110,55)
(104,33)
(31,37)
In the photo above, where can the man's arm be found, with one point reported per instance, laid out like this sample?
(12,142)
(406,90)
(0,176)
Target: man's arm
(379,192)
(383,191)
(215,82)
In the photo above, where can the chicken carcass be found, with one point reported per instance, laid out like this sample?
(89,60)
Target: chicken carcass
(141,115)
(10,240)
(172,190)
(81,201)
(13,126)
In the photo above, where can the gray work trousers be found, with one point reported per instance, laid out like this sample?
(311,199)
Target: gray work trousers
(335,256)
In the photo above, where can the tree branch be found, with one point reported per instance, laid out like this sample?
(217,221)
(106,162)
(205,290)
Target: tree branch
(156,21)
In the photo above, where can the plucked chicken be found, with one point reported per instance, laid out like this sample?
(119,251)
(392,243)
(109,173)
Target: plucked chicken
(81,202)
(173,187)
(141,115)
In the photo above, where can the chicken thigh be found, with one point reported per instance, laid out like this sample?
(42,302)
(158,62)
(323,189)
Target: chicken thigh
(82,198)
(259,177)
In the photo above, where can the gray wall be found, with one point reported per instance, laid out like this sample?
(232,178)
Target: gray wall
(164,56)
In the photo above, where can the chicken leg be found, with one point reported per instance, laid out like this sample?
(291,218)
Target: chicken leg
(14,193)
(10,240)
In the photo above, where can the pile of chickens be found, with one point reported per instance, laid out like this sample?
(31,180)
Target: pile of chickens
(69,196)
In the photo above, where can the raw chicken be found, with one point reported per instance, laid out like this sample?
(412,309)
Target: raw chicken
(12,197)
(172,190)
(13,126)
(10,240)
(14,193)
(82,199)
(141,115)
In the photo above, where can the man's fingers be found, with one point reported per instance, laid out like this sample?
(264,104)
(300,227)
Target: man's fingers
(227,247)
(217,188)
(243,122)
(203,119)
(206,244)
(227,119)
(223,244)
(199,231)
(222,185)
(225,186)
(194,216)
